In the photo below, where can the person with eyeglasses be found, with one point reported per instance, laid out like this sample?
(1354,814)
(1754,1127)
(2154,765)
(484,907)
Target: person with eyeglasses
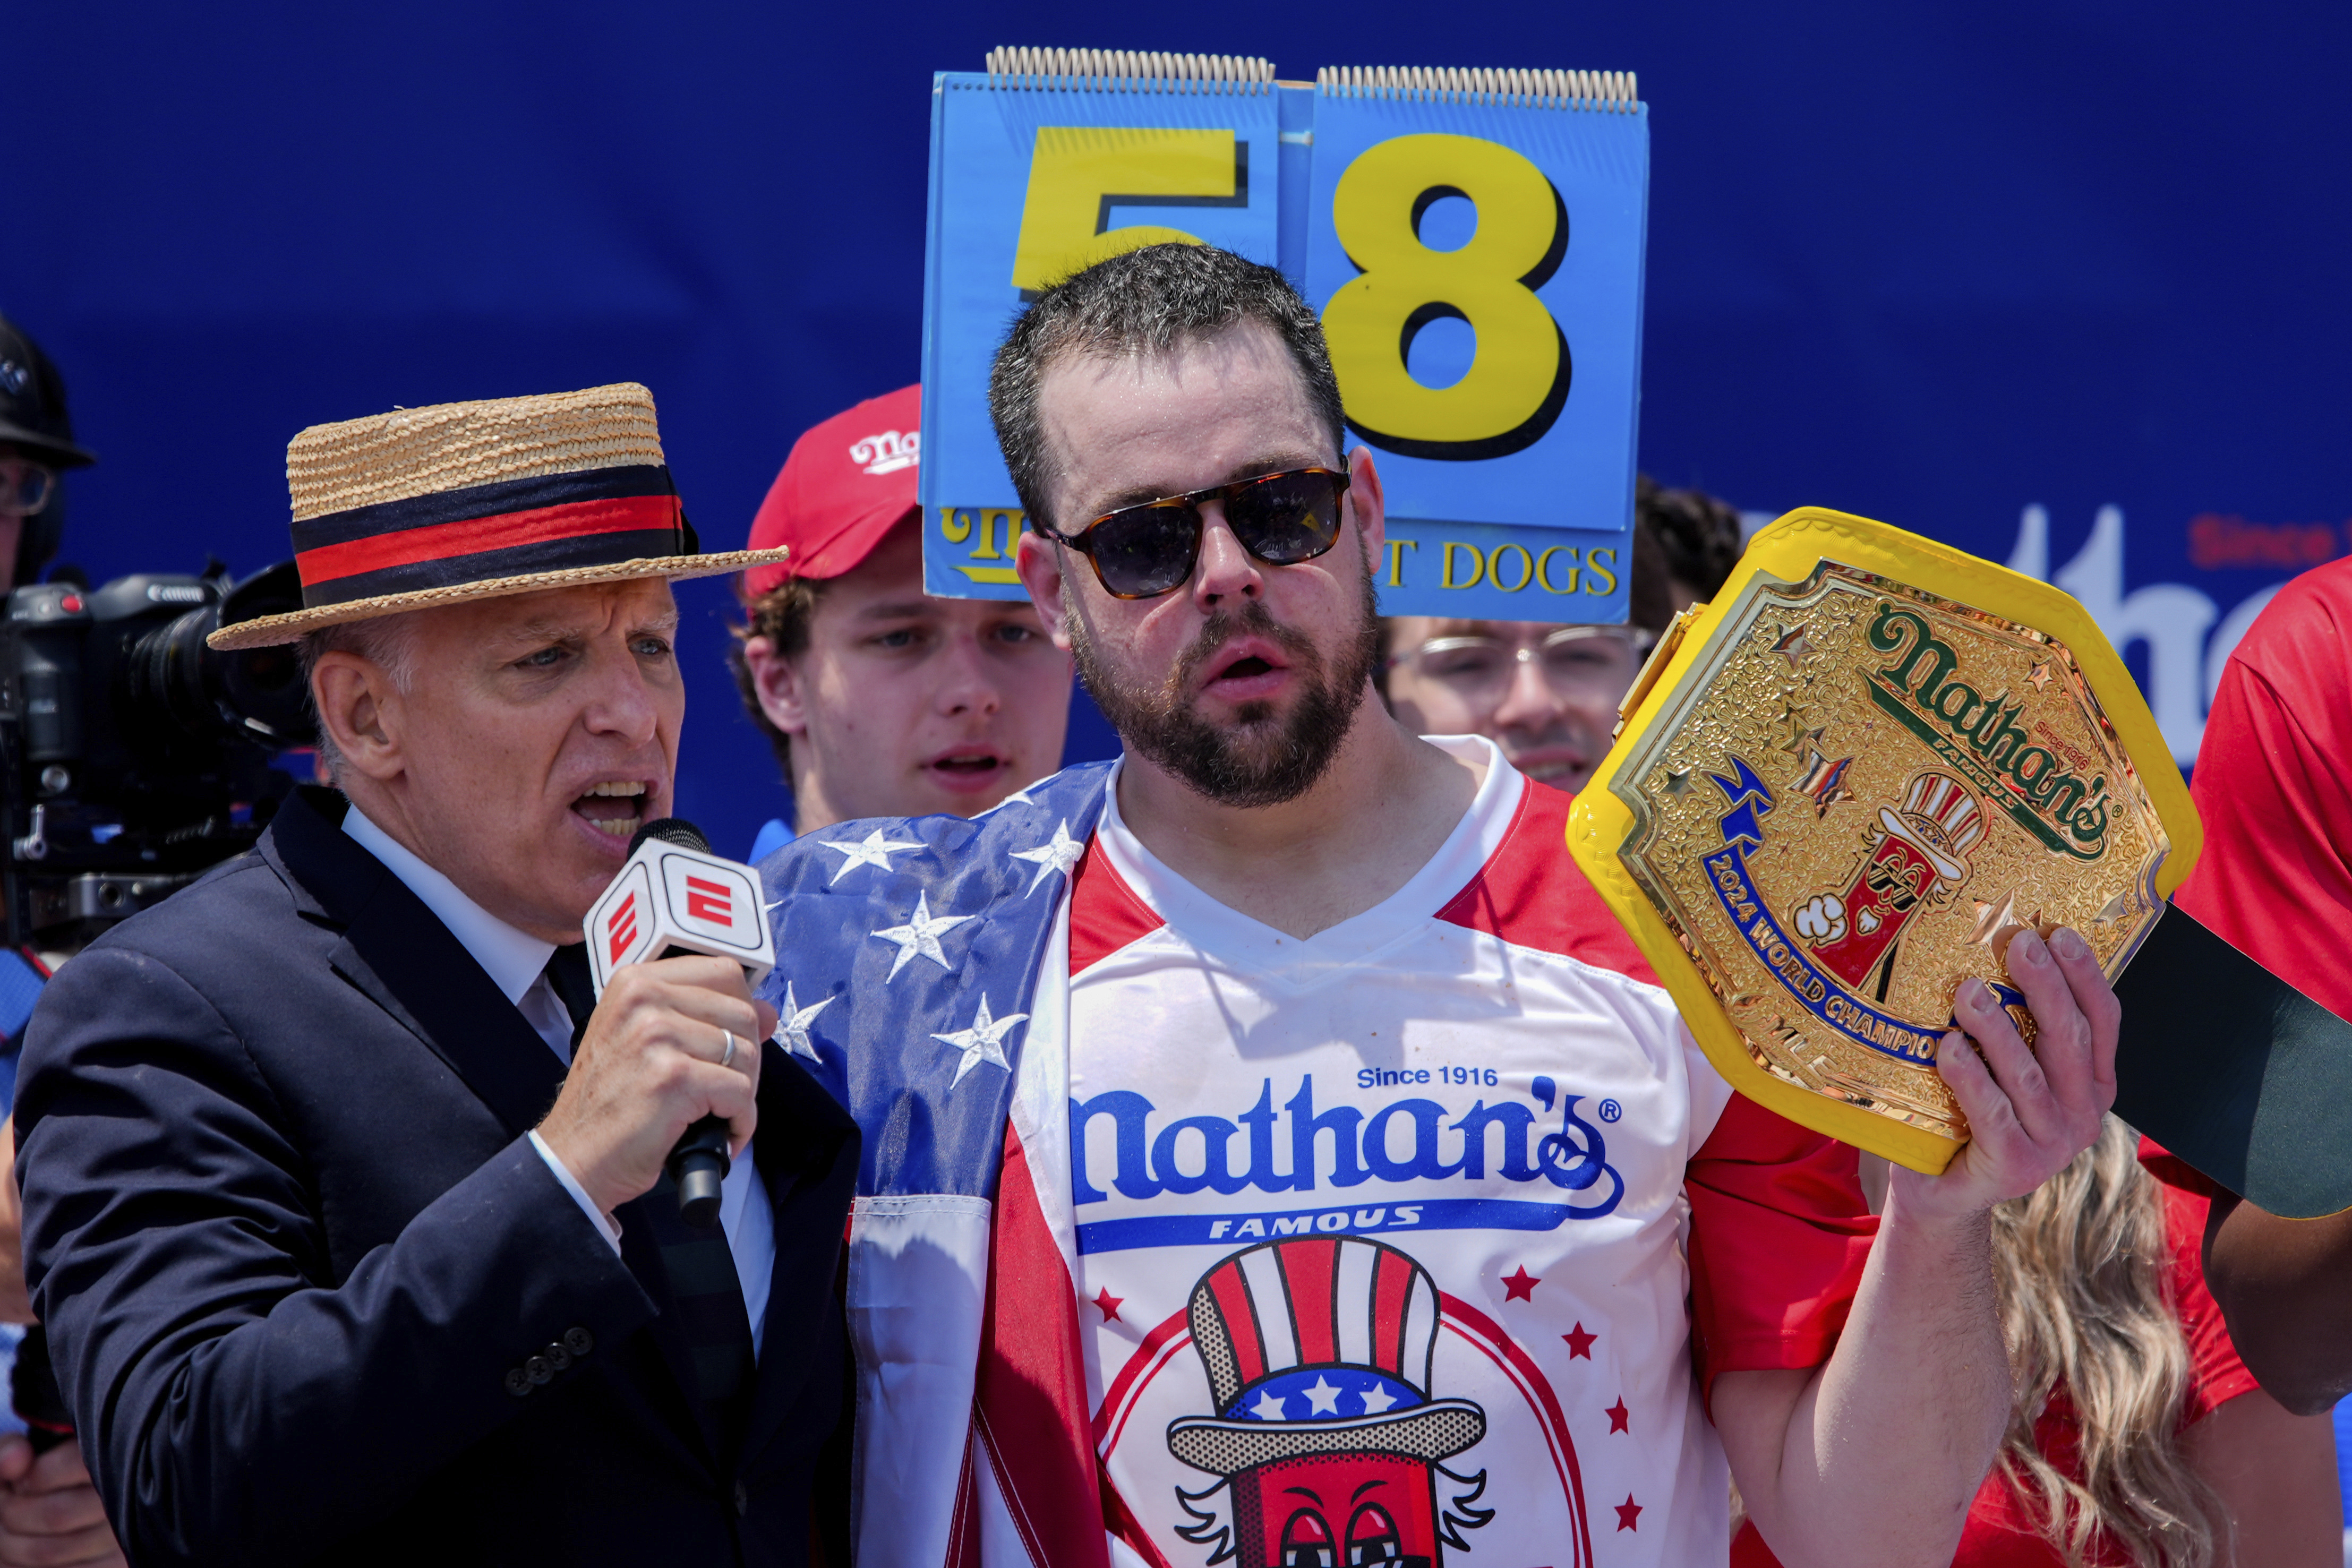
(1275,1152)
(1546,695)
(50,1511)
(37,450)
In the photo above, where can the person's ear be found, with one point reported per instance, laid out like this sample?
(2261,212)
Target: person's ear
(783,692)
(360,709)
(1040,562)
(1371,508)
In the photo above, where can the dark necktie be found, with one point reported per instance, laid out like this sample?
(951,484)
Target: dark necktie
(703,1285)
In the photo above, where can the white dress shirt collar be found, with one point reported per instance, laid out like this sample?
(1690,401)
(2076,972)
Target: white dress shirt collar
(513,959)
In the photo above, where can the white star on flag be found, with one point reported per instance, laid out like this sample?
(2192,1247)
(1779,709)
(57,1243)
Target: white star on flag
(1269,1408)
(920,938)
(1018,797)
(875,850)
(791,1025)
(984,1041)
(1058,854)
(1377,1399)
(1322,1400)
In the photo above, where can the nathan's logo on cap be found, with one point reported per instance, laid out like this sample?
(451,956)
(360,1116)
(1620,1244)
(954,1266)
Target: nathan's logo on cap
(15,378)
(889,451)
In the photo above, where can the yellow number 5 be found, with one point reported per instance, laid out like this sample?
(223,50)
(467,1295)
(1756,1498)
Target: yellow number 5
(1518,378)
(1077,174)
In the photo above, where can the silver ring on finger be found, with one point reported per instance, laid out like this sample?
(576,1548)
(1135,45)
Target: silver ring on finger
(728,1059)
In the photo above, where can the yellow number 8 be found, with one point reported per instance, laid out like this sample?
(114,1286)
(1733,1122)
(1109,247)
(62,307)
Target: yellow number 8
(1518,378)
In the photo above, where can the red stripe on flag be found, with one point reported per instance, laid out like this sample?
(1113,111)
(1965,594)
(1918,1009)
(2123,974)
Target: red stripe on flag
(963,1527)
(1307,1267)
(447,541)
(1032,1388)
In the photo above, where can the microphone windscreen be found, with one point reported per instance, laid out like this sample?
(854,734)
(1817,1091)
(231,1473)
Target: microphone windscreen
(671,831)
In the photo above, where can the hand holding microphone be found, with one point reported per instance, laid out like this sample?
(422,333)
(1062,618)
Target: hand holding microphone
(667,1072)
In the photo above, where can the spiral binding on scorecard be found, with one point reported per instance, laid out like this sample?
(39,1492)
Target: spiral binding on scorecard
(1130,70)
(1610,91)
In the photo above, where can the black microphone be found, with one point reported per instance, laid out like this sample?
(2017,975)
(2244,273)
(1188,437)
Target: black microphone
(673,897)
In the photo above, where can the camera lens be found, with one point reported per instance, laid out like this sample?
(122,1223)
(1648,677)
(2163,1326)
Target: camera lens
(255,695)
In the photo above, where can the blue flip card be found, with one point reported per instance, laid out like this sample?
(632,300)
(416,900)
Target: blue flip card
(1473,241)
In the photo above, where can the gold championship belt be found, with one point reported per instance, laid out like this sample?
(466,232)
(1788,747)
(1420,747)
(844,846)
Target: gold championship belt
(1846,785)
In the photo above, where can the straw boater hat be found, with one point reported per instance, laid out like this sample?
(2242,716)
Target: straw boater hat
(472,500)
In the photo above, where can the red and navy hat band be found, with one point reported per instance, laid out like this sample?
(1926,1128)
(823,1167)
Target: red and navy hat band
(517,527)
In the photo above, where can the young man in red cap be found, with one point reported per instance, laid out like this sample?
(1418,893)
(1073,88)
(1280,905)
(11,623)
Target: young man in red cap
(879,699)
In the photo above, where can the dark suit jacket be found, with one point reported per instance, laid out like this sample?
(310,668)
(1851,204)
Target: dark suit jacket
(289,1239)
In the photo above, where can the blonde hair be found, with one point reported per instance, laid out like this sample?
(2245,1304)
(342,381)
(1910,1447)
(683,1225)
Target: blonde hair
(2083,1271)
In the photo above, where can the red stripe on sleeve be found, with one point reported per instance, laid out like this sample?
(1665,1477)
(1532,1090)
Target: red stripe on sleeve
(1532,892)
(1106,914)
(1779,1234)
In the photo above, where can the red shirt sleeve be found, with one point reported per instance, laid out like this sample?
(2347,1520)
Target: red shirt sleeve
(2275,877)
(1779,1234)
(2216,1375)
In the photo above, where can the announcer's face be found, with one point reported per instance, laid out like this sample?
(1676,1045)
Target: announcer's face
(537,732)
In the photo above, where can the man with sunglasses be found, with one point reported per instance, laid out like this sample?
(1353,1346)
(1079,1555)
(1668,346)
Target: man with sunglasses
(1274,1151)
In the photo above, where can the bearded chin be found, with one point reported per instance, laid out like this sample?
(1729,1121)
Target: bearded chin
(1260,756)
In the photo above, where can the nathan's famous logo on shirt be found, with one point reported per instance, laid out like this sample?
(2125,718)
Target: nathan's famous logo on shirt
(1298,1149)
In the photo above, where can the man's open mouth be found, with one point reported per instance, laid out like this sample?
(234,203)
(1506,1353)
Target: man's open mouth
(616,807)
(1556,762)
(1244,667)
(968,766)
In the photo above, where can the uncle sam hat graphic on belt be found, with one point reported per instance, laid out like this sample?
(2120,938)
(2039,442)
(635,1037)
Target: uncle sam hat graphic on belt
(423,506)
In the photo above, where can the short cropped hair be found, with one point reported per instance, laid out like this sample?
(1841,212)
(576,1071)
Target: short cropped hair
(1146,302)
(387,641)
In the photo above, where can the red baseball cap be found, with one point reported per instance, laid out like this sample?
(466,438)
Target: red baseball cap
(847,482)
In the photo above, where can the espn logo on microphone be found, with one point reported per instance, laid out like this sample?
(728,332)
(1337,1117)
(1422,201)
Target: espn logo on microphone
(669,896)
(621,925)
(709,900)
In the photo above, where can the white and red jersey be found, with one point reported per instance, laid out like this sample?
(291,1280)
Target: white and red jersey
(1389,1241)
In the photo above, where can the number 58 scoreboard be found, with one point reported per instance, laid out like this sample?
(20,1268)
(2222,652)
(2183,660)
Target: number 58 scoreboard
(1472,239)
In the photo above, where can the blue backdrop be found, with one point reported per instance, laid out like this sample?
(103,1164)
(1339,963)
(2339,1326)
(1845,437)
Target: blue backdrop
(2059,283)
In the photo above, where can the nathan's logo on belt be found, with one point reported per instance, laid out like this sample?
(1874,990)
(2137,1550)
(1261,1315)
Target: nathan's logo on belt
(1980,736)
(1901,782)
(1413,1140)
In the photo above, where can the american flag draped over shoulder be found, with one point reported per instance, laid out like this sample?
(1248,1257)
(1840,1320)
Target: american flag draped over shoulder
(911,956)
